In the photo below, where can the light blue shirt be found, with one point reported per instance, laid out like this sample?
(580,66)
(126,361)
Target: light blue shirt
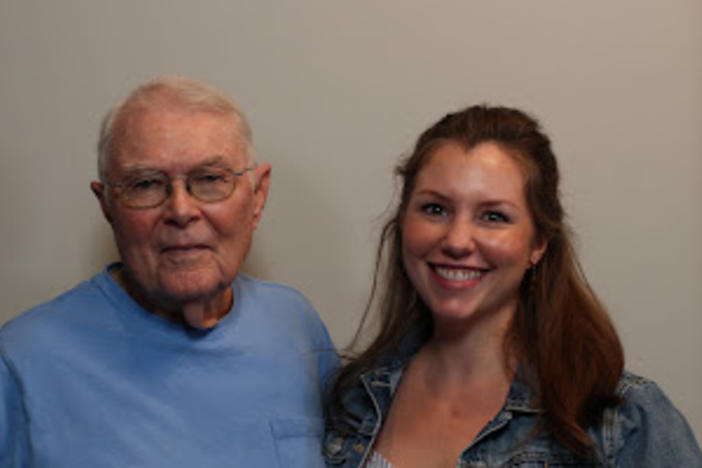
(91,379)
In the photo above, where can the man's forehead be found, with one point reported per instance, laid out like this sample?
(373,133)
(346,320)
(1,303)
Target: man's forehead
(157,136)
(139,118)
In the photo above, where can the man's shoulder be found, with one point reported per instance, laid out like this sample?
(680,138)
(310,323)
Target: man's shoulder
(269,292)
(275,304)
(46,319)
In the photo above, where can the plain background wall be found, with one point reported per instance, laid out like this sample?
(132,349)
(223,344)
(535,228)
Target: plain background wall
(336,91)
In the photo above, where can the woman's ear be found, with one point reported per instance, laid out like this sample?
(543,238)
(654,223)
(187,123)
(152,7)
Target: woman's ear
(538,250)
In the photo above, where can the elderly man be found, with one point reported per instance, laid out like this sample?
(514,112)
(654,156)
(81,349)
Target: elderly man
(170,357)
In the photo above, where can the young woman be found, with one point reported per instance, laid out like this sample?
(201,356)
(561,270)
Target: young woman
(492,350)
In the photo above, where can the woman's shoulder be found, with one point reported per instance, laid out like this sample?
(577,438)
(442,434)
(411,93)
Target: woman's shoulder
(634,385)
(647,429)
(643,401)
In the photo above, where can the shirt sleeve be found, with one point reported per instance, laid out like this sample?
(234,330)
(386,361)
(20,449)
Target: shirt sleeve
(329,361)
(14,446)
(653,433)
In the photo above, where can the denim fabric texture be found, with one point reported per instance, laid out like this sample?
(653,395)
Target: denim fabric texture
(644,431)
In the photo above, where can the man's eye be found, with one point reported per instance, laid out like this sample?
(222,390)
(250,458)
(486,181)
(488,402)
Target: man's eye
(209,178)
(434,209)
(495,217)
(145,184)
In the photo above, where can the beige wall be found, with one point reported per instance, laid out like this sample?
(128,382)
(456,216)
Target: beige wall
(335,91)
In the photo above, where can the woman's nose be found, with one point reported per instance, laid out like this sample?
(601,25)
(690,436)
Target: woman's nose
(459,240)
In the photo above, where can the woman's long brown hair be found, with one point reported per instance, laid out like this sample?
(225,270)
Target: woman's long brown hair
(561,331)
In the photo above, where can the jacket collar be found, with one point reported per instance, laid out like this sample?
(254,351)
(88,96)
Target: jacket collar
(382,380)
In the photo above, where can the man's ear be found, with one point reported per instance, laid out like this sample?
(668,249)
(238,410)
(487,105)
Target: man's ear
(261,181)
(98,189)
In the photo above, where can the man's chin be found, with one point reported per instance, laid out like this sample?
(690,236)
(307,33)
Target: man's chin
(176,291)
(188,294)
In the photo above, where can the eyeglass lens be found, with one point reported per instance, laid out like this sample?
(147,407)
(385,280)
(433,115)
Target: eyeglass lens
(150,189)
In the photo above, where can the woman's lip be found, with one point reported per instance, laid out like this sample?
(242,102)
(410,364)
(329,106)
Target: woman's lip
(457,276)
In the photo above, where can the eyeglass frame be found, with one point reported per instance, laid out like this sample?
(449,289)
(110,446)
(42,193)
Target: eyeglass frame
(169,185)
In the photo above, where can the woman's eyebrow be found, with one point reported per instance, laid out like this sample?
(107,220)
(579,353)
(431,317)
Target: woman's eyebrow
(498,203)
(432,193)
(489,203)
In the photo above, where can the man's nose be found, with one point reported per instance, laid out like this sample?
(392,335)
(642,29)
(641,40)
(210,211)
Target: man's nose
(181,206)
(459,238)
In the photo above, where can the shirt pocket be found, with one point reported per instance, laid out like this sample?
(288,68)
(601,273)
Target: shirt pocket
(298,441)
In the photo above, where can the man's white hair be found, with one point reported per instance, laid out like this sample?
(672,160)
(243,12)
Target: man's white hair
(183,93)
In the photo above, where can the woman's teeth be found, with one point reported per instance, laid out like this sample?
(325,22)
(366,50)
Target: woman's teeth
(458,274)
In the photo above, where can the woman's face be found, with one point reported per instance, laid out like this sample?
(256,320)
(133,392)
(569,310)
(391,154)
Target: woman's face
(467,234)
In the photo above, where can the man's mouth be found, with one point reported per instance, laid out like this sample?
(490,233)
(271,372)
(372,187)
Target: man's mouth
(184,249)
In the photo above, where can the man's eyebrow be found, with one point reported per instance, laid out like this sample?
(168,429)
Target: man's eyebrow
(217,160)
(137,168)
(214,161)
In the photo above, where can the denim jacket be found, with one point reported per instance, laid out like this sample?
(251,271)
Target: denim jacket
(644,431)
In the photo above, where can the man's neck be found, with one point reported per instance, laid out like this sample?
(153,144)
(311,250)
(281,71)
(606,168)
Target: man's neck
(200,314)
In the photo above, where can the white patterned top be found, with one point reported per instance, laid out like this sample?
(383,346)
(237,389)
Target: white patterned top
(376,460)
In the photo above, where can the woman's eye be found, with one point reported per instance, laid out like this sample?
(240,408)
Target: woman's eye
(434,209)
(495,217)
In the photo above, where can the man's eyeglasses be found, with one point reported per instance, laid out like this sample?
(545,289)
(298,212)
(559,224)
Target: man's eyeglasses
(148,189)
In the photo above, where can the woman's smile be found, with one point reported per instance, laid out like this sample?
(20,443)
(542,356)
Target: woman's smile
(467,235)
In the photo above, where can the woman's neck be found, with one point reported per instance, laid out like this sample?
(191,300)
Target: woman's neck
(473,348)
